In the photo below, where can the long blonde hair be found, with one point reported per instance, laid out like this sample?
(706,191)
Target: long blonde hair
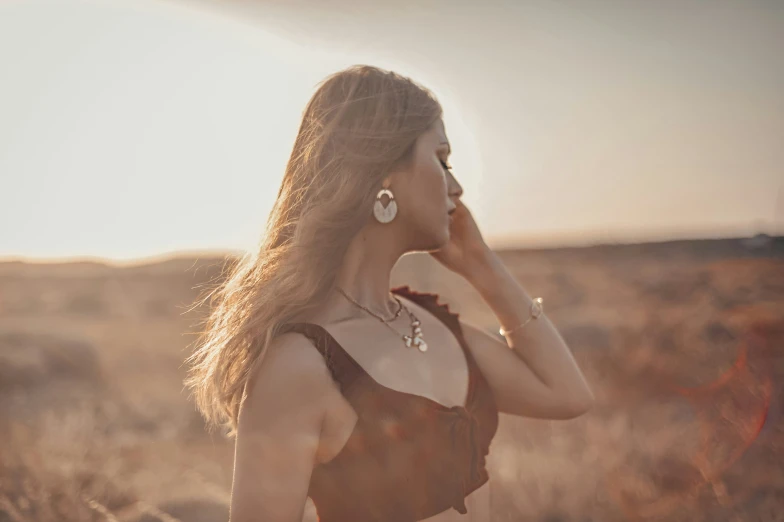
(360,124)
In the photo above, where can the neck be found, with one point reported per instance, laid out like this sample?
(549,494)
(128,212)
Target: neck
(366,272)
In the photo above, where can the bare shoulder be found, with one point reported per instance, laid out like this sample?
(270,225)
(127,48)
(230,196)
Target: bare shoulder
(292,374)
(279,431)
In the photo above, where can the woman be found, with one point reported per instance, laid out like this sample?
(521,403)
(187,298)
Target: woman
(378,404)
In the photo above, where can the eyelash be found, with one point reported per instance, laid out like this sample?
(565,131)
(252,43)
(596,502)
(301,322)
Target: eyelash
(447,167)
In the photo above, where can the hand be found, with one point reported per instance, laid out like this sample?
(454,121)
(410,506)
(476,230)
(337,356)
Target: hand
(466,249)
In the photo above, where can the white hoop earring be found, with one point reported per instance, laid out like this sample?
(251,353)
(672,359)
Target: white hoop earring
(382,214)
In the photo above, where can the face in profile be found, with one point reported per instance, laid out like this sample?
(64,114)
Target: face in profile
(430,190)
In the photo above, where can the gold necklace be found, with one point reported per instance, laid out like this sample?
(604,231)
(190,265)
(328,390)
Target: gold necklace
(415,339)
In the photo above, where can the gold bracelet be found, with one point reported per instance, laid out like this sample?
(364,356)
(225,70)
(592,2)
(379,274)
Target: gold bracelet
(537,309)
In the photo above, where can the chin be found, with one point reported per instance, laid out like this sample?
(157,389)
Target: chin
(443,237)
(436,239)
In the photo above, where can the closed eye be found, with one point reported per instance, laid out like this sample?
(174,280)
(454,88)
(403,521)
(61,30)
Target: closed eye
(447,167)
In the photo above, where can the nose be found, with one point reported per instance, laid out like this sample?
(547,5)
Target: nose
(455,190)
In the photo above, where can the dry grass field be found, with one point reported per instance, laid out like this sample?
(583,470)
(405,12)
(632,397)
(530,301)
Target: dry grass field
(683,343)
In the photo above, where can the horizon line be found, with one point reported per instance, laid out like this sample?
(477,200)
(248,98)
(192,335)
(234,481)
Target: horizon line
(542,241)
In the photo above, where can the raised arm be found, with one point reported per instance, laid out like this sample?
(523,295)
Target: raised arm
(278,432)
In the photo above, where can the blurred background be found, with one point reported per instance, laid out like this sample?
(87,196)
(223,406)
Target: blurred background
(623,157)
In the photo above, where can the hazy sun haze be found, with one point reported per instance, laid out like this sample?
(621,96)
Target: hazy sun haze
(137,128)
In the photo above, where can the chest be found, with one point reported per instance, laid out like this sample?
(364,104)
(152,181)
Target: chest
(441,373)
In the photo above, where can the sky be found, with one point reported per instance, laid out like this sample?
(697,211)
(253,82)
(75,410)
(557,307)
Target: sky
(140,128)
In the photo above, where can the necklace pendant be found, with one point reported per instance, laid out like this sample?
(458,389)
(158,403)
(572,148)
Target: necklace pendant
(420,343)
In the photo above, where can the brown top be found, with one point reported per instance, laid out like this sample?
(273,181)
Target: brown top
(408,457)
